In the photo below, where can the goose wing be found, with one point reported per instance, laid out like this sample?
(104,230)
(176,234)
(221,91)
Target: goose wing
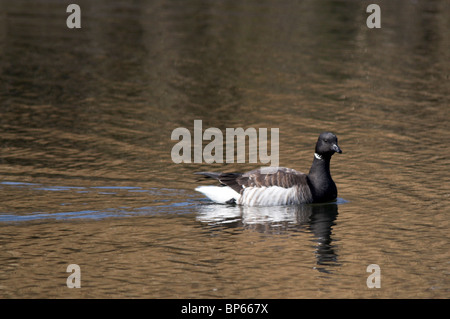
(262,177)
(226,179)
(272,176)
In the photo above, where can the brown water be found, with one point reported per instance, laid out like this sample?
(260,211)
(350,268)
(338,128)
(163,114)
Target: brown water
(85,138)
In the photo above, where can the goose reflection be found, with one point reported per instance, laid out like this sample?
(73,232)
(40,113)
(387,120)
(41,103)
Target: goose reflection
(318,219)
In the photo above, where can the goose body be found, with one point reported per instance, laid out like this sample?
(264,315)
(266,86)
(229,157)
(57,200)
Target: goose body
(274,186)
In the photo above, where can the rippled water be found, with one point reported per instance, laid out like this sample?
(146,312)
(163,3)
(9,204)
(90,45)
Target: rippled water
(86,175)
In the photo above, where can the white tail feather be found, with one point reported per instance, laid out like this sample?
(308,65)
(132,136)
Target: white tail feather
(219,194)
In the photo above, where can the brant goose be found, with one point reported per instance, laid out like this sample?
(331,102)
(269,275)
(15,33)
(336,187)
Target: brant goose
(272,186)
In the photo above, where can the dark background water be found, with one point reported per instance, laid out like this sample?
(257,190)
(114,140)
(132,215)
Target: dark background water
(86,117)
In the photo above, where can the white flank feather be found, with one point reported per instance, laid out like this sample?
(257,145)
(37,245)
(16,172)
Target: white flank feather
(219,194)
(269,196)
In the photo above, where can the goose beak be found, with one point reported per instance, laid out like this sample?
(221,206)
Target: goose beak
(336,148)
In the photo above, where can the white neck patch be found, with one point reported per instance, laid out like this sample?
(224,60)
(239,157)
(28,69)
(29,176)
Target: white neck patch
(319,157)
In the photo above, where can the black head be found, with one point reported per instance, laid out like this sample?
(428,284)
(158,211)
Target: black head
(327,144)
